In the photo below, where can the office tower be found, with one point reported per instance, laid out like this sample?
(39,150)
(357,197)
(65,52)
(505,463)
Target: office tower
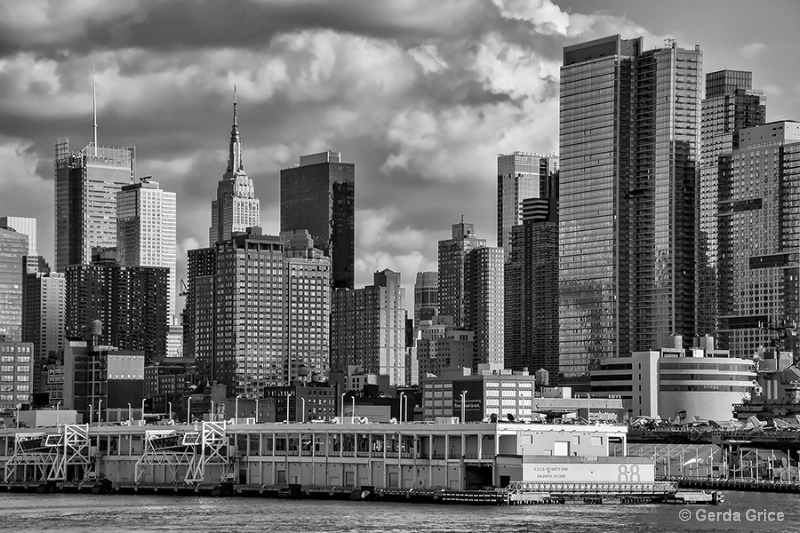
(368,328)
(319,195)
(236,207)
(484,309)
(520,175)
(131,303)
(16,374)
(234,320)
(87,183)
(531,284)
(146,229)
(441,346)
(452,280)
(308,306)
(629,132)
(759,191)
(729,106)
(26,226)
(43,313)
(426,296)
(13,247)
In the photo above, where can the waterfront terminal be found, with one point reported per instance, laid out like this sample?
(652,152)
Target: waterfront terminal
(485,462)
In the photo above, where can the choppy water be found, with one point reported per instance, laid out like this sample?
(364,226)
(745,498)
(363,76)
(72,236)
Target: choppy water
(79,512)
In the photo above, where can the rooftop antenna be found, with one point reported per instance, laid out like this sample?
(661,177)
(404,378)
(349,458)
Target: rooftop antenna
(462,218)
(234,105)
(94,112)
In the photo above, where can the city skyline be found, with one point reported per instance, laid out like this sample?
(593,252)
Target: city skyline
(418,106)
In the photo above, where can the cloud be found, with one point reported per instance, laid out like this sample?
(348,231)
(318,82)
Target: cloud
(752,50)
(420,95)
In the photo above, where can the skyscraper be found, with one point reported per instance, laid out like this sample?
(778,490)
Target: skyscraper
(308,305)
(87,183)
(26,226)
(520,175)
(484,309)
(531,313)
(759,235)
(236,207)
(729,106)
(426,296)
(13,247)
(234,321)
(629,139)
(146,229)
(43,312)
(319,195)
(452,276)
(368,328)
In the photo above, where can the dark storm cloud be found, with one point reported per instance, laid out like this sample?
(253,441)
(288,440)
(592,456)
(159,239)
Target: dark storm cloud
(192,24)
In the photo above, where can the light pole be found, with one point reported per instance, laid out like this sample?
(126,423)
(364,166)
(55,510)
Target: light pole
(236,410)
(189,410)
(405,408)
(288,405)
(58,409)
(588,409)
(91,414)
(170,410)
(143,399)
(20,405)
(100,411)
(304,408)
(353,414)
(213,417)
(463,406)
(256,410)
(401,406)
(342,407)
(130,412)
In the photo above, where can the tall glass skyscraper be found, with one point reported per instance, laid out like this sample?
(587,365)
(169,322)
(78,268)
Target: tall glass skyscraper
(629,138)
(87,183)
(236,207)
(730,105)
(318,195)
(13,247)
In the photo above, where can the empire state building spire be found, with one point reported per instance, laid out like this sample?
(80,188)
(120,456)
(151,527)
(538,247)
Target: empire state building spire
(236,207)
(235,163)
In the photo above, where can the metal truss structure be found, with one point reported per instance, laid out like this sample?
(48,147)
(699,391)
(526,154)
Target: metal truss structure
(46,457)
(198,451)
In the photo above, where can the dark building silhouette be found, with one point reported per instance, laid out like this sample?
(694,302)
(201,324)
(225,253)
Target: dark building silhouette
(131,302)
(318,195)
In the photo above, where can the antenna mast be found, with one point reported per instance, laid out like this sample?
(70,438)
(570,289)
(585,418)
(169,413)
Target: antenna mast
(94,113)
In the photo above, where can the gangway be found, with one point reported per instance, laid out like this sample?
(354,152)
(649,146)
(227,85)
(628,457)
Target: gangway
(75,452)
(35,454)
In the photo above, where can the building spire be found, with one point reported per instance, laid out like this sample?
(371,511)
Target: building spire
(94,113)
(235,163)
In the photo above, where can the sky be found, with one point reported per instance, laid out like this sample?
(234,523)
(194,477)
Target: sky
(421,95)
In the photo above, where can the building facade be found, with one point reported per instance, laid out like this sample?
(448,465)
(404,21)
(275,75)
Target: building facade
(16,374)
(520,175)
(131,303)
(43,314)
(452,271)
(26,226)
(441,346)
(318,195)
(426,296)
(484,294)
(308,306)
(758,224)
(730,105)
(146,226)
(368,328)
(236,207)
(13,248)
(531,287)
(629,140)
(86,187)
(678,383)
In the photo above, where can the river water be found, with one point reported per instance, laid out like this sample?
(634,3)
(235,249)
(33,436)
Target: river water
(82,512)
